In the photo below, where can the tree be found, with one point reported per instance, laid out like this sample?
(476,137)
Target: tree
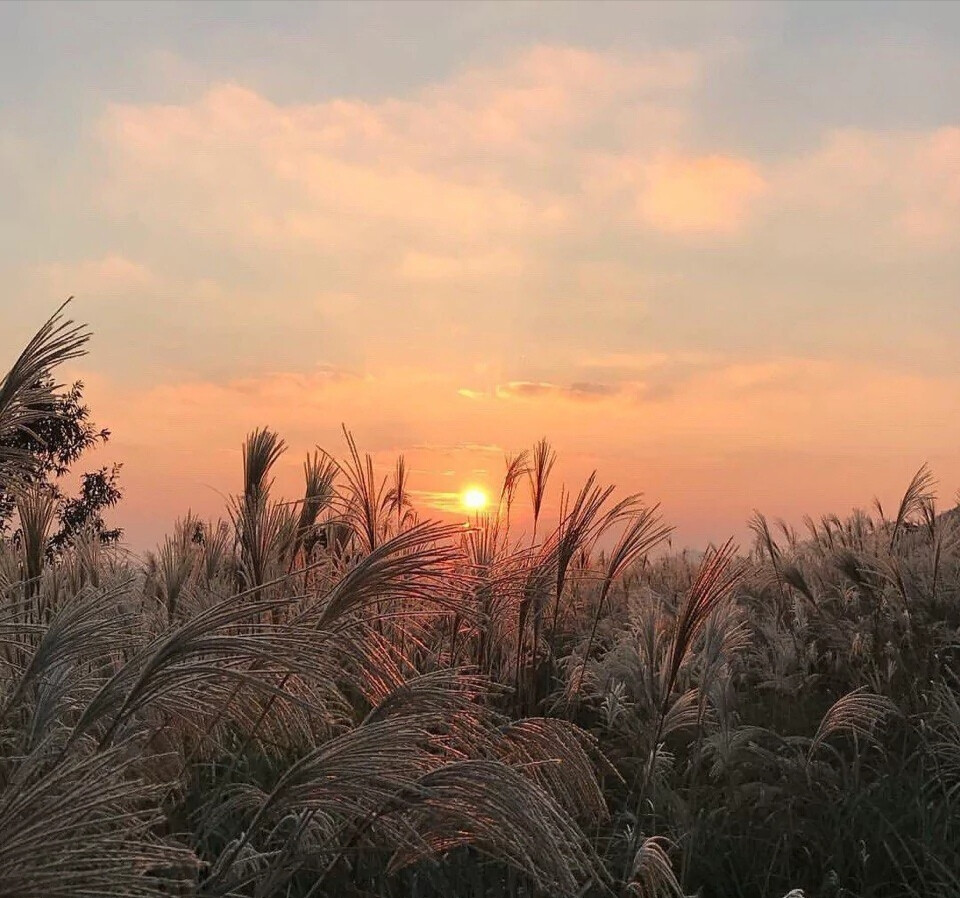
(60,433)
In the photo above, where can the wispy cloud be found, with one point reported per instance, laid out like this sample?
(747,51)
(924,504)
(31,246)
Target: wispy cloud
(582,391)
(438,500)
(110,276)
(904,184)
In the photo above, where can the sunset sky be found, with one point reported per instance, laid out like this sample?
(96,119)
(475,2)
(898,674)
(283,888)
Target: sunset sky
(710,251)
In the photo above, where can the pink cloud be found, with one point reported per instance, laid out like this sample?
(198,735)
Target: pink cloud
(473,177)
(677,193)
(700,194)
(451,164)
(905,184)
(110,275)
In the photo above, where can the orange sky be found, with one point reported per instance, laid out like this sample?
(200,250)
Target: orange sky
(790,437)
(695,246)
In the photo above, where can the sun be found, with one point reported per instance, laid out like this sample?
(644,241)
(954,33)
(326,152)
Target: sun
(474,499)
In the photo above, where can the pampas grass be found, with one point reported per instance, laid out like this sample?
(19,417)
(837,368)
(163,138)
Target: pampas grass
(330,696)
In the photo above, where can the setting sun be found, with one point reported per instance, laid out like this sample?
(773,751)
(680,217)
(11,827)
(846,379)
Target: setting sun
(460,400)
(474,499)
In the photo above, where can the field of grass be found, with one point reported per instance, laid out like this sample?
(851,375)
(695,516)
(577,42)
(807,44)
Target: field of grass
(328,696)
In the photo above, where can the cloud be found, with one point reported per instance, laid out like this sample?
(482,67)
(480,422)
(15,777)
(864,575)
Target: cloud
(904,184)
(446,448)
(471,394)
(438,500)
(460,269)
(490,155)
(523,389)
(709,193)
(109,276)
(560,195)
(203,414)
(666,190)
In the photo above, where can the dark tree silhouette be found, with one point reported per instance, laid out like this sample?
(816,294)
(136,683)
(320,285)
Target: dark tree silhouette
(55,442)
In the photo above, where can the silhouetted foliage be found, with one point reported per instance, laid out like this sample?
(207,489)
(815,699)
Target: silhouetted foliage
(54,443)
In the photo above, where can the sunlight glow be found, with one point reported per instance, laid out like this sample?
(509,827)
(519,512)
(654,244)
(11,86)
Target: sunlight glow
(474,499)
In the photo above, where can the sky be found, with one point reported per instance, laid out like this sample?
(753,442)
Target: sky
(708,250)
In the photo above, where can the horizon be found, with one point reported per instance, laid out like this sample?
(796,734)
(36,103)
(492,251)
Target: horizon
(707,250)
